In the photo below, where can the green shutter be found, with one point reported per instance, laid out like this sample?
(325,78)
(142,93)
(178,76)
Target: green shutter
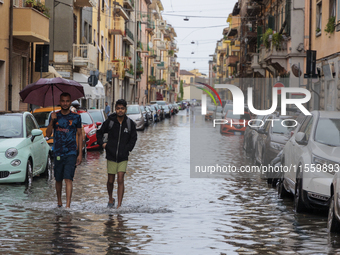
(271,22)
(152,71)
(287,11)
(259,38)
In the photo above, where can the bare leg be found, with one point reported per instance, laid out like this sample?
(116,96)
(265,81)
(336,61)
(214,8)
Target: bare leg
(110,182)
(58,188)
(69,187)
(120,190)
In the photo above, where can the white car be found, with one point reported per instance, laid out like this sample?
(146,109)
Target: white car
(24,152)
(311,158)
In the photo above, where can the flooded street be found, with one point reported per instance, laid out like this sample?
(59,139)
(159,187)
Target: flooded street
(164,211)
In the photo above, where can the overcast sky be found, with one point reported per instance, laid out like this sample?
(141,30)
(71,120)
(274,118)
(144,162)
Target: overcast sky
(188,31)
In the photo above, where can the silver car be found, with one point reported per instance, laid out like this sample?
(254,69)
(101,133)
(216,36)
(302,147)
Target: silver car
(134,113)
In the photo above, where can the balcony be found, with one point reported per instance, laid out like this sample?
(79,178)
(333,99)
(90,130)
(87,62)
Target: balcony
(85,3)
(117,27)
(30,25)
(157,59)
(128,37)
(161,45)
(231,60)
(121,12)
(255,65)
(150,27)
(85,55)
(129,5)
(276,56)
(127,63)
(158,36)
(161,66)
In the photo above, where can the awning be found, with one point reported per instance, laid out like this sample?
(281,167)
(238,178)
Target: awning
(107,55)
(97,45)
(82,79)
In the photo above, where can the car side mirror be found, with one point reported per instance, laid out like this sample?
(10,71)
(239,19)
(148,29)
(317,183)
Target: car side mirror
(35,133)
(300,138)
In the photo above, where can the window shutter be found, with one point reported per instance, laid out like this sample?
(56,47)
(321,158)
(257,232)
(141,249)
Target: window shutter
(259,38)
(271,22)
(287,11)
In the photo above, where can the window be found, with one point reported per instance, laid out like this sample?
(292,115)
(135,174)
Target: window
(191,80)
(338,11)
(109,49)
(332,8)
(23,73)
(94,39)
(103,3)
(86,31)
(16,3)
(30,125)
(319,17)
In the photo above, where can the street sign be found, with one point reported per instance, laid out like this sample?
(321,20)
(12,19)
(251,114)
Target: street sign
(109,76)
(93,80)
(279,85)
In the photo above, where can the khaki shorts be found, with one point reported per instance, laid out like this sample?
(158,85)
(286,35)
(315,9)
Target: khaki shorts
(114,167)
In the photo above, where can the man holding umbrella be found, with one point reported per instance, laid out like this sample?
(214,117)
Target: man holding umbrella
(66,126)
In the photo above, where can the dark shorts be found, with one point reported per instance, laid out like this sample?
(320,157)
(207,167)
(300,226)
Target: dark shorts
(64,167)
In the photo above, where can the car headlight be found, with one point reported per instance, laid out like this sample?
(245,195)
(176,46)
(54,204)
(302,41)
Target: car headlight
(325,166)
(16,162)
(276,146)
(11,153)
(92,132)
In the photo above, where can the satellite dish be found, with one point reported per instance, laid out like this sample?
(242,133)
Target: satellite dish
(150,44)
(296,70)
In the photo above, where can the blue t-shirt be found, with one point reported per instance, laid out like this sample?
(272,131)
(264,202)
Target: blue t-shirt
(107,109)
(65,134)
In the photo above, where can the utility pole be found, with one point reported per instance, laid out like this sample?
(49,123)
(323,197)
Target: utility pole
(98,33)
(10,61)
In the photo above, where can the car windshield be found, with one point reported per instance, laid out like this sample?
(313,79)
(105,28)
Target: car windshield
(278,128)
(245,116)
(85,118)
(97,116)
(42,118)
(161,102)
(328,132)
(142,108)
(165,107)
(132,109)
(10,127)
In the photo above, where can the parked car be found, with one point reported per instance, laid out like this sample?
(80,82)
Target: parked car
(135,113)
(167,111)
(150,114)
(159,102)
(333,223)
(312,153)
(156,113)
(272,137)
(237,128)
(25,151)
(98,115)
(90,128)
(147,115)
(161,111)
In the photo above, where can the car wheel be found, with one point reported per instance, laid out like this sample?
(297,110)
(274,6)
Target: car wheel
(281,190)
(48,168)
(333,224)
(298,203)
(29,173)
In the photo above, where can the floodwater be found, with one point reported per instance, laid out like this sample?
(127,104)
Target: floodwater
(164,210)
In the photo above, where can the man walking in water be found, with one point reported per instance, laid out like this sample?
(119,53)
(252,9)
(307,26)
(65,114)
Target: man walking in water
(66,126)
(122,137)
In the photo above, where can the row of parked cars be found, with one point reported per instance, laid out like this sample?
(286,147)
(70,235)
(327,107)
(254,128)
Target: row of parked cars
(306,157)
(145,115)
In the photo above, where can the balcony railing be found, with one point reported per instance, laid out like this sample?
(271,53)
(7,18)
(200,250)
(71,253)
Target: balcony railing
(128,33)
(85,55)
(129,4)
(231,60)
(161,45)
(117,26)
(158,36)
(161,66)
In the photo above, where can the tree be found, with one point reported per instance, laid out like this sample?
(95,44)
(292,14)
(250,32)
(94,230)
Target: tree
(181,90)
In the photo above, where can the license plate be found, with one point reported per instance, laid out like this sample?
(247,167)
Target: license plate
(237,133)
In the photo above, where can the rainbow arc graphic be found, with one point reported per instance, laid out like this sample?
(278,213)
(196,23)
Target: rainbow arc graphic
(209,93)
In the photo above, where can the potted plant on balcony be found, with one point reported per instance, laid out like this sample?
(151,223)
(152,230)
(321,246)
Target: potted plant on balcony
(171,52)
(277,40)
(29,3)
(265,37)
(42,8)
(152,80)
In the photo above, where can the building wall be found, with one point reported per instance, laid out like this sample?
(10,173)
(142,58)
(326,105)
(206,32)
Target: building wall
(4,35)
